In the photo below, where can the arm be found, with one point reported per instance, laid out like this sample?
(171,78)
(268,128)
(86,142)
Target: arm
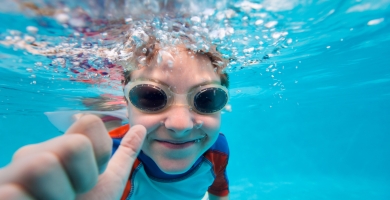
(213,197)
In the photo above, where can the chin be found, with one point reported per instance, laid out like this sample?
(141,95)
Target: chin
(175,166)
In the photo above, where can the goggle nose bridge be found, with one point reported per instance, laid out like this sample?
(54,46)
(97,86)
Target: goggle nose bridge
(179,99)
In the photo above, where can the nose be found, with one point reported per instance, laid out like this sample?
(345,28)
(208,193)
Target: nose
(179,121)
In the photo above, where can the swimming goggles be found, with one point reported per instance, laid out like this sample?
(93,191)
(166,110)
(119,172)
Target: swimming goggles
(150,96)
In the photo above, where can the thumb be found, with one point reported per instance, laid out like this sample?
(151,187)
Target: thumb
(123,159)
(112,182)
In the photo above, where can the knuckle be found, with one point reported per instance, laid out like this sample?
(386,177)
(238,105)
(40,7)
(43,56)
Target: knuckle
(46,160)
(39,166)
(90,120)
(77,143)
(23,151)
(13,191)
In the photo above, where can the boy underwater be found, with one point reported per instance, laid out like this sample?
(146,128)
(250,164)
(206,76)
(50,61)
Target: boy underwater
(173,149)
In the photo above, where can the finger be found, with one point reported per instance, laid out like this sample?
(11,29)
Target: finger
(41,176)
(13,192)
(93,127)
(75,154)
(123,159)
(114,179)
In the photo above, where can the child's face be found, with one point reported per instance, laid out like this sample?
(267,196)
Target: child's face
(177,124)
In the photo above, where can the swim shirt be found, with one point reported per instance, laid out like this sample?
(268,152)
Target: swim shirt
(147,181)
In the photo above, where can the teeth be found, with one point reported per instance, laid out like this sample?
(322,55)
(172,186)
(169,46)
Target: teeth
(195,141)
(198,140)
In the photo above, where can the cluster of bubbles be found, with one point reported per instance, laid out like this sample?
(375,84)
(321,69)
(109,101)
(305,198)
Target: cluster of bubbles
(103,33)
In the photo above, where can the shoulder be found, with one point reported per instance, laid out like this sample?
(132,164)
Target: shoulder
(119,132)
(220,146)
(218,154)
(117,135)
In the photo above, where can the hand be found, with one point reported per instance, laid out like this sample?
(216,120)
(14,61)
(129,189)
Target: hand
(74,165)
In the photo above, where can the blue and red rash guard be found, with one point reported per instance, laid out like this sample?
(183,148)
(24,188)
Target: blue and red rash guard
(147,181)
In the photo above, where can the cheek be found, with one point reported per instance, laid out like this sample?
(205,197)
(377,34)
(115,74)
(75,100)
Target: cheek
(211,123)
(139,118)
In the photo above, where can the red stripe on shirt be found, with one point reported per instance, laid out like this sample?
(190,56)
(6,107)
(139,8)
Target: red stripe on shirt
(220,185)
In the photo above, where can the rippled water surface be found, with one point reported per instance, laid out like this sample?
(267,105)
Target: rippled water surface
(310,84)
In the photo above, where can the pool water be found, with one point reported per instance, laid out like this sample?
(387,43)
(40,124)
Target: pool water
(310,122)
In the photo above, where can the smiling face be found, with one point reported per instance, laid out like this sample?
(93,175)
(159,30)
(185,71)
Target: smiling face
(177,136)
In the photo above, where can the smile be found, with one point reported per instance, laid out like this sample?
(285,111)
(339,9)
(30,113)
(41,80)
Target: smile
(180,144)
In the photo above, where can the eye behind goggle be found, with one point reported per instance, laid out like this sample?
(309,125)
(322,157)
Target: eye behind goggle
(210,100)
(148,98)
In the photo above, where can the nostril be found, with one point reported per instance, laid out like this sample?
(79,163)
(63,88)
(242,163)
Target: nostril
(198,124)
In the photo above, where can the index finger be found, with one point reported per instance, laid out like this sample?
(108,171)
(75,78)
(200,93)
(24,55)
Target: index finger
(92,127)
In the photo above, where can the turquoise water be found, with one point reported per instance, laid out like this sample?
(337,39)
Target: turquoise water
(319,129)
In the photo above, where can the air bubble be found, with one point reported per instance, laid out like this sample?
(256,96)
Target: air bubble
(276,35)
(32,29)
(29,39)
(230,13)
(62,18)
(259,22)
(170,63)
(271,24)
(58,61)
(375,21)
(195,19)
(29,70)
(140,37)
(159,58)
(249,50)
(38,64)
(141,60)
(15,33)
(228,108)
(206,48)
(77,22)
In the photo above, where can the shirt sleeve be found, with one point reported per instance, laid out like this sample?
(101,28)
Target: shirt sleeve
(219,156)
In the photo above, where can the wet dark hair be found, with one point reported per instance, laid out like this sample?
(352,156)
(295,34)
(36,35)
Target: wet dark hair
(216,59)
(224,78)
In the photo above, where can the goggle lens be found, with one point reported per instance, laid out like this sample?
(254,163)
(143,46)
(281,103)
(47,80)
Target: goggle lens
(210,100)
(151,98)
(148,97)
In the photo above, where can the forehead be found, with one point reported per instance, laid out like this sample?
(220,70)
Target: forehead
(180,68)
